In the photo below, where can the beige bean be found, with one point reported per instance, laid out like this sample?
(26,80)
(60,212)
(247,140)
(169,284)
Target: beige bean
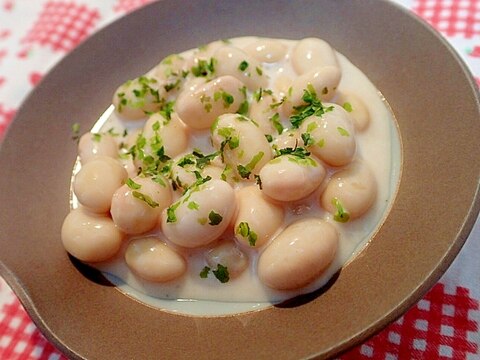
(235,62)
(290,178)
(153,260)
(199,108)
(350,193)
(133,99)
(201,215)
(136,208)
(356,108)
(299,255)
(311,53)
(90,237)
(92,145)
(266,50)
(96,182)
(332,135)
(245,148)
(258,218)
(229,255)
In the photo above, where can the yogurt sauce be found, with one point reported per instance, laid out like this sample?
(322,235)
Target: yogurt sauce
(378,146)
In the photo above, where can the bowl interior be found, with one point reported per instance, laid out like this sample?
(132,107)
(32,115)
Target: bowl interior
(435,102)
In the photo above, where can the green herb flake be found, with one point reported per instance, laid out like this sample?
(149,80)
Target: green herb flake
(244,230)
(307,139)
(202,221)
(243,109)
(214,218)
(321,143)
(342,131)
(259,71)
(192,205)
(243,66)
(313,106)
(258,181)
(156,126)
(204,273)
(76,131)
(275,120)
(132,184)
(246,170)
(340,215)
(204,68)
(96,137)
(221,273)
(348,107)
(171,216)
(145,198)
(269,137)
(297,151)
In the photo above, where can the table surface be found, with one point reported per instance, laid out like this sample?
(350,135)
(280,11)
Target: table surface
(36,35)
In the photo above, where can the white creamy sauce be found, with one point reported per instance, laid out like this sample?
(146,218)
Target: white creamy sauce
(379,148)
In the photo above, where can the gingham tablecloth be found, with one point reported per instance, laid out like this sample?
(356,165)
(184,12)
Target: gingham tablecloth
(34,35)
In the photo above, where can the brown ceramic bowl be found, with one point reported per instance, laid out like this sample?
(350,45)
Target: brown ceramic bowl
(432,95)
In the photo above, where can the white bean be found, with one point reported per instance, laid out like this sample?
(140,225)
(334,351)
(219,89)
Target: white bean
(153,260)
(136,97)
(201,215)
(90,237)
(299,255)
(356,108)
(229,255)
(199,108)
(96,182)
(136,208)
(91,145)
(288,139)
(310,53)
(332,135)
(266,116)
(323,81)
(244,145)
(171,66)
(350,192)
(290,178)
(257,219)
(266,50)
(235,62)
(171,134)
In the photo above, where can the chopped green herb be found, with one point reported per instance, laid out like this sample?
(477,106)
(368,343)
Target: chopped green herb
(76,131)
(269,137)
(204,160)
(204,272)
(145,198)
(132,184)
(258,181)
(243,109)
(221,273)
(313,106)
(259,71)
(312,126)
(307,139)
(348,107)
(202,221)
(166,109)
(170,86)
(204,68)
(342,131)
(186,160)
(278,104)
(297,151)
(246,170)
(275,120)
(156,126)
(340,215)
(112,132)
(96,137)
(192,205)
(321,143)
(243,66)
(171,217)
(244,230)
(214,218)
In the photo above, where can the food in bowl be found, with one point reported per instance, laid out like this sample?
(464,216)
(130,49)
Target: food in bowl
(246,170)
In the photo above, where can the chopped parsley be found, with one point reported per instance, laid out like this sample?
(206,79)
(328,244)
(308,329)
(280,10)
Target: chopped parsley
(269,137)
(226,97)
(214,218)
(297,151)
(145,198)
(313,106)
(245,171)
(275,120)
(343,131)
(340,215)
(96,137)
(259,71)
(171,216)
(221,273)
(204,68)
(243,66)
(132,184)
(307,139)
(258,181)
(76,132)
(204,272)
(192,205)
(244,230)
(348,107)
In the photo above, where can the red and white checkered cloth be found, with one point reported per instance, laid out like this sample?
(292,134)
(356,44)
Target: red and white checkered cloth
(34,35)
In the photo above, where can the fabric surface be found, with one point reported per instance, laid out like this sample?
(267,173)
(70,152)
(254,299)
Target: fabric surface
(34,35)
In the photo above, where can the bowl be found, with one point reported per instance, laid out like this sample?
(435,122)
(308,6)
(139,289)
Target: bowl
(433,97)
